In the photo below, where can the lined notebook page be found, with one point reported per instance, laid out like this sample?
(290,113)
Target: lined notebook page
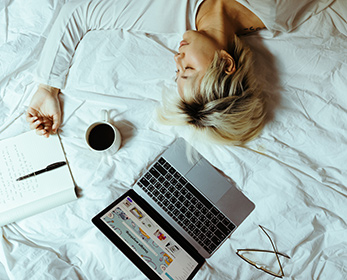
(22,155)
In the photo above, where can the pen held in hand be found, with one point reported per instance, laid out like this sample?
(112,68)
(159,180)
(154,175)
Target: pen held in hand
(48,168)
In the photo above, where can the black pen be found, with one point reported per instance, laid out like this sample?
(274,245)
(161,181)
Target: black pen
(48,168)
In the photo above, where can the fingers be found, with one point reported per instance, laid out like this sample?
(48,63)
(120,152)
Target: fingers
(41,125)
(35,124)
(31,115)
(56,123)
(42,132)
(43,122)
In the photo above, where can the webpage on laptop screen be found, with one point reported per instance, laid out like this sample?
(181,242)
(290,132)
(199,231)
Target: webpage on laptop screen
(156,248)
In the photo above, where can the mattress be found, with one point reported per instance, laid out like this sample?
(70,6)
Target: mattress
(294,172)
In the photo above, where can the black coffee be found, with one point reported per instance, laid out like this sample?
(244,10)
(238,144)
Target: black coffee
(101,137)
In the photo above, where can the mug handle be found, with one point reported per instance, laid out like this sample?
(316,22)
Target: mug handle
(104,115)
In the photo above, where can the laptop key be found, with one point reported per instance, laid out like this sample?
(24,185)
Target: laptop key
(213,228)
(220,235)
(215,240)
(173,181)
(178,204)
(166,202)
(203,219)
(179,186)
(167,165)
(193,219)
(181,217)
(154,172)
(161,179)
(209,216)
(220,216)
(204,229)
(214,211)
(144,182)
(209,234)
(211,248)
(184,210)
(183,181)
(223,228)
(162,161)
(166,184)
(184,191)
(171,207)
(204,210)
(160,169)
(226,222)
(202,237)
(231,226)
(199,224)
(197,213)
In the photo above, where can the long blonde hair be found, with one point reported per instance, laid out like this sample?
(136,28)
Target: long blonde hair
(226,108)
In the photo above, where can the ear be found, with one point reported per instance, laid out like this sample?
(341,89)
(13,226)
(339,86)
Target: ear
(230,66)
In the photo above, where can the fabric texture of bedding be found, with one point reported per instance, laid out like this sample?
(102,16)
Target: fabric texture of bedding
(77,18)
(285,16)
(294,172)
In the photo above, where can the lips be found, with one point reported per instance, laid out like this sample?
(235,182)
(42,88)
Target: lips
(183,43)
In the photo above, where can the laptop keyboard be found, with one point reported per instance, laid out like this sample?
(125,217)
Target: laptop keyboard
(184,204)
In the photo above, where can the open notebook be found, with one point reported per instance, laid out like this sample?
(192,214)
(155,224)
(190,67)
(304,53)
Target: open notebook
(22,155)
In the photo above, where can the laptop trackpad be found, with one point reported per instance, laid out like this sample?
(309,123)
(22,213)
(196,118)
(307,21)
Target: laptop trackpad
(208,180)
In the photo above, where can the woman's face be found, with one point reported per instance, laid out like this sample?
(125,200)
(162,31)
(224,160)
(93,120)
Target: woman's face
(196,52)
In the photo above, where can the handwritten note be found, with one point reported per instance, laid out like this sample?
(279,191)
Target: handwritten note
(13,164)
(24,154)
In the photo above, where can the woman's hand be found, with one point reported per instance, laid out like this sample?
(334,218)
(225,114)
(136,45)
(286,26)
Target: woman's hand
(44,114)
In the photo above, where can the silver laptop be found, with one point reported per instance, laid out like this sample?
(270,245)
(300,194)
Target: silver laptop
(179,206)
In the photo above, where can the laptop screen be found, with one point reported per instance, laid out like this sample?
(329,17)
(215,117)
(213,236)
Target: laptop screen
(153,246)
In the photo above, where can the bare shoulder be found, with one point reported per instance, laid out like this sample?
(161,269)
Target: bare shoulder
(228,13)
(247,21)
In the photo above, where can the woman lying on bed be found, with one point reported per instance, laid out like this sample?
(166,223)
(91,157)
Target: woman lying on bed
(218,94)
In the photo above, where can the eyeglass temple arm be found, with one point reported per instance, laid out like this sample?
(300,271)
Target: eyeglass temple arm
(265,251)
(273,246)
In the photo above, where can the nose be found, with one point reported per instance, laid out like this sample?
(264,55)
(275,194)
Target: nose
(178,58)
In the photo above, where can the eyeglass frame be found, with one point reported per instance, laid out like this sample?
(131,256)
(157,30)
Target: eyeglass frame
(265,251)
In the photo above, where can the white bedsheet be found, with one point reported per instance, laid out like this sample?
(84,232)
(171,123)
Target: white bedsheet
(295,172)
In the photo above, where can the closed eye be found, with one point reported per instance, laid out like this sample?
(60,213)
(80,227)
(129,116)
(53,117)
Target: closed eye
(182,76)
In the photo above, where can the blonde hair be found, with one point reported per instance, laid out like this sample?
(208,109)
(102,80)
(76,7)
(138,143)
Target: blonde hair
(226,108)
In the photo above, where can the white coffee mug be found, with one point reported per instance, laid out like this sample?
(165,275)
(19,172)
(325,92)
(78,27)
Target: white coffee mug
(102,137)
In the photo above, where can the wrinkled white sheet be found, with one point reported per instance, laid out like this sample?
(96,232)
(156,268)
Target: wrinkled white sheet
(295,172)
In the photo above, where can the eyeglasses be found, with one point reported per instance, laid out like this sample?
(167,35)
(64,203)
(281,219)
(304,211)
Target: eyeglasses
(279,274)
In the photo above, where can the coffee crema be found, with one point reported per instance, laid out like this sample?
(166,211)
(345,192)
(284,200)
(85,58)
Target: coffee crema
(101,137)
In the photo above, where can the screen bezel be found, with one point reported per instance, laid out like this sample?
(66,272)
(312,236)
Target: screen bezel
(126,250)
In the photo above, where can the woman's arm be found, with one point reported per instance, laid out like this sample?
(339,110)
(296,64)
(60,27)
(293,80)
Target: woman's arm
(74,21)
